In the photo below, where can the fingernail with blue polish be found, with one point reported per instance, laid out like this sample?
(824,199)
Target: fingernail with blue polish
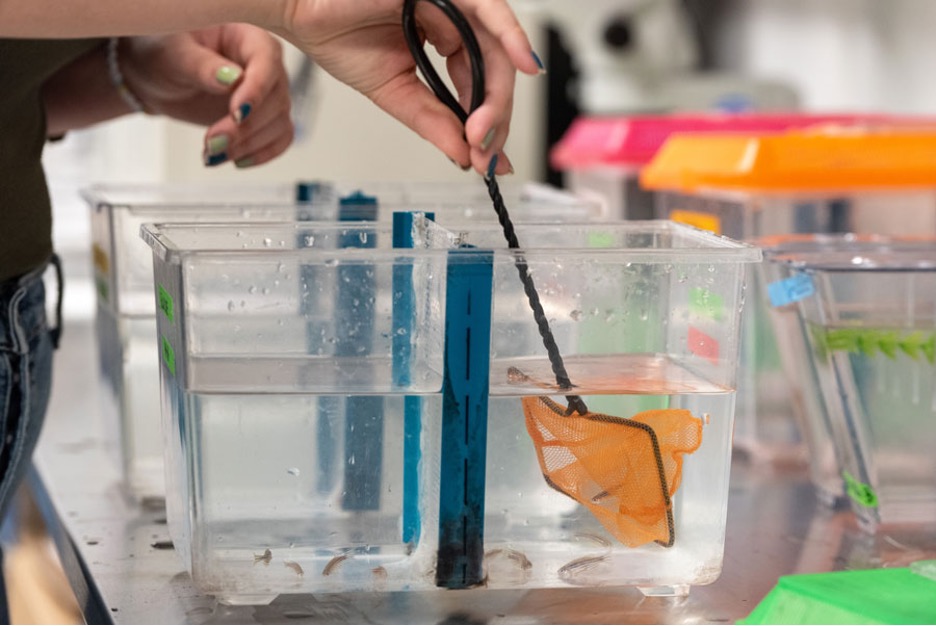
(242,112)
(539,62)
(216,159)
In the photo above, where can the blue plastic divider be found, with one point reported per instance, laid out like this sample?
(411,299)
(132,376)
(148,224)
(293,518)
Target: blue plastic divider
(468,298)
(403,328)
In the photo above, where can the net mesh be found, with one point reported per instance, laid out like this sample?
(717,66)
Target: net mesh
(625,471)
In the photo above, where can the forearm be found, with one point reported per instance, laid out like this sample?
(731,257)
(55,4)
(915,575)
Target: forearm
(81,94)
(49,19)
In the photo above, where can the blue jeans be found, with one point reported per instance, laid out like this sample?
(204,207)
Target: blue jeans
(26,345)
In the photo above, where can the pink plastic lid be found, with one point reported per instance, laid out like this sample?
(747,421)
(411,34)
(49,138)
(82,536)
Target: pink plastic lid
(632,141)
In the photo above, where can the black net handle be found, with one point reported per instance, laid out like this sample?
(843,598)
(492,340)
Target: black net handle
(414,41)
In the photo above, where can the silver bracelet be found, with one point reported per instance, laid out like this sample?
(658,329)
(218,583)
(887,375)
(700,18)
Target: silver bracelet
(117,79)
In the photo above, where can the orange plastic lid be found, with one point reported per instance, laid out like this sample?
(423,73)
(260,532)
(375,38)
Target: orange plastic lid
(833,160)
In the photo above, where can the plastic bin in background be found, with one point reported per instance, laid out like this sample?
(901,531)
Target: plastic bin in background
(879,181)
(126,315)
(869,313)
(366,429)
(785,285)
(603,155)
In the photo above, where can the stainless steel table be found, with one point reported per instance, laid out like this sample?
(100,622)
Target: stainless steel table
(120,563)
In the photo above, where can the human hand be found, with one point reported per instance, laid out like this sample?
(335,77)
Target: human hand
(230,78)
(361,43)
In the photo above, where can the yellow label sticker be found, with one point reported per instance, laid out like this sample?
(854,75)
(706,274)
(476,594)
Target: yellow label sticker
(705,221)
(100,259)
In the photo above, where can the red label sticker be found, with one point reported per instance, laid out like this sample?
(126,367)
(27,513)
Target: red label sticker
(702,345)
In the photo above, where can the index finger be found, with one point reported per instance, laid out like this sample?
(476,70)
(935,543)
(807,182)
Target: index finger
(499,20)
(261,56)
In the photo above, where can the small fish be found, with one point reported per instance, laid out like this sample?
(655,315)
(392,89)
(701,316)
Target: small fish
(294,567)
(335,562)
(264,558)
(597,539)
(517,557)
(379,572)
(579,565)
(514,375)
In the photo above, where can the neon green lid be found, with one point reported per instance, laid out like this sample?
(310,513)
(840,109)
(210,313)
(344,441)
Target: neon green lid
(879,596)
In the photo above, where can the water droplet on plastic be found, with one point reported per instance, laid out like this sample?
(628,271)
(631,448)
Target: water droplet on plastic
(267,242)
(231,305)
(576,315)
(293,471)
(252,289)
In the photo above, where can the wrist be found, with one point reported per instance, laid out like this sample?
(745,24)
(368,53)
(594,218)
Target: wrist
(113,49)
(278,16)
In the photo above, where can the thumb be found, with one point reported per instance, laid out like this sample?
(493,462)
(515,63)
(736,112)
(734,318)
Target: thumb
(213,72)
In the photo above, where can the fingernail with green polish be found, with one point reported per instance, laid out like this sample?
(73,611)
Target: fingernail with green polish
(217,144)
(216,159)
(488,139)
(245,162)
(242,112)
(539,62)
(227,75)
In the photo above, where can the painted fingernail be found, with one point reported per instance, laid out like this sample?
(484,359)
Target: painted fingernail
(227,75)
(242,112)
(488,139)
(217,144)
(215,159)
(539,62)
(245,162)
(510,169)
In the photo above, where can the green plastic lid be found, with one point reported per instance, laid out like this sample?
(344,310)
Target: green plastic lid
(880,596)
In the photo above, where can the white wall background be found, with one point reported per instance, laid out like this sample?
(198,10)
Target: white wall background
(839,54)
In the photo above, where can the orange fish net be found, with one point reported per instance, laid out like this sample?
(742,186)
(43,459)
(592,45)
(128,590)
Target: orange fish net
(625,471)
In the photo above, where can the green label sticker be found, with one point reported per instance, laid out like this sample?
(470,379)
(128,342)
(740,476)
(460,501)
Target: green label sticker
(101,288)
(860,492)
(165,303)
(706,304)
(600,240)
(168,355)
